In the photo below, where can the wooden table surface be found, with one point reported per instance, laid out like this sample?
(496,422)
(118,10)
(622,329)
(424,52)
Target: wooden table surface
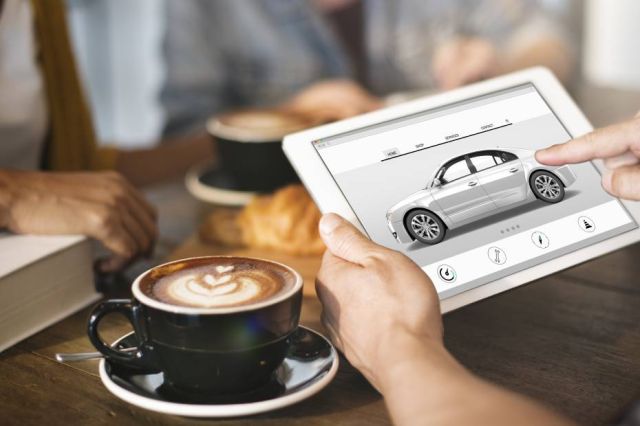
(571,340)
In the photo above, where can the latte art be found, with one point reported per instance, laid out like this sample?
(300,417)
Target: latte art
(217,286)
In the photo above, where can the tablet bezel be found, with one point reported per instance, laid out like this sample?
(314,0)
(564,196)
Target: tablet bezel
(315,176)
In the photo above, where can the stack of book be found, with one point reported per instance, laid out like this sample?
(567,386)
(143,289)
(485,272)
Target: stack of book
(42,280)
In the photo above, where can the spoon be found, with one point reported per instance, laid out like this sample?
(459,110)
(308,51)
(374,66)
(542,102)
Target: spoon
(83,356)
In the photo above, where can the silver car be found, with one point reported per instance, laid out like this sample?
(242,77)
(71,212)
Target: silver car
(473,186)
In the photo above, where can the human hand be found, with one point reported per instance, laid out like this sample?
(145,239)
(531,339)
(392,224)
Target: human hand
(382,312)
(332,100)
(100,205)
(464,60)
(378,306)
(617,145)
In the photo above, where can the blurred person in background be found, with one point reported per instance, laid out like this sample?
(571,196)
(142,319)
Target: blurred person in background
(54,177)
(337,58)
(215,63)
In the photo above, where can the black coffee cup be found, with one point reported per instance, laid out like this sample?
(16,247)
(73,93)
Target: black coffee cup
(249,145)
(216,350)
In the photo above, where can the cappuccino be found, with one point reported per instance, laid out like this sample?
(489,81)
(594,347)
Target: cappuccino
(216,324)
(226,283)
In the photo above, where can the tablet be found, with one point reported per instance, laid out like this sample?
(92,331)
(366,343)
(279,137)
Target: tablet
(451,181)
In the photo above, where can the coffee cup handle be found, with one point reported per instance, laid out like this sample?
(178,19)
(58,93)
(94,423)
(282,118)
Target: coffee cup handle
(133,359)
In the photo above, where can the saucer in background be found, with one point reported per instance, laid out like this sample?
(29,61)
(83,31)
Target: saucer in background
(208,183)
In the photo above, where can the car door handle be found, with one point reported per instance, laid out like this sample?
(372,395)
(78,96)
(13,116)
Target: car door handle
(473,183)
(513,170)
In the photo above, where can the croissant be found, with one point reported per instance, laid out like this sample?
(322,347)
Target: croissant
(286,221)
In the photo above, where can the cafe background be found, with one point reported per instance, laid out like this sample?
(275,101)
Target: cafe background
(580,356)
(119,42)
(119,48)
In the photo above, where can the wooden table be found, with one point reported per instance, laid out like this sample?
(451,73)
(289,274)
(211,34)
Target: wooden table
(571,340)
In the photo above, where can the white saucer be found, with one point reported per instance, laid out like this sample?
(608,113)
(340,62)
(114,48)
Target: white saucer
(310,365)
(221,193)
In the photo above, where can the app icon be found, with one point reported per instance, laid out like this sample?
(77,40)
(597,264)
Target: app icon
(540,239)
(447,273)
(497,255)
(586,224)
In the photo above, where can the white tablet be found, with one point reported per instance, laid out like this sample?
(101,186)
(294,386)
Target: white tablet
(451,181)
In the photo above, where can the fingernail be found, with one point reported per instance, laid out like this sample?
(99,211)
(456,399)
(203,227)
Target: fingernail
(329,222)
(606,180)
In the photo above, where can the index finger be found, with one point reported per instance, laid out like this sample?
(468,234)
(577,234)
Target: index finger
(332,274)
(603,143)
(331,267)
(143,206)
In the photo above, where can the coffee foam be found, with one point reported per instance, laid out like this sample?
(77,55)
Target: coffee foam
(258,120)
(256,125)
(221,285)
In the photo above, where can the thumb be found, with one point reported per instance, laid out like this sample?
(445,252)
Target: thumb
(344,240)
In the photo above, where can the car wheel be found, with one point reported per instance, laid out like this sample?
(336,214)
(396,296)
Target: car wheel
(547,187)
(425,226)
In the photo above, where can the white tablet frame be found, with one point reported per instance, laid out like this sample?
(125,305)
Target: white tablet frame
(324,190)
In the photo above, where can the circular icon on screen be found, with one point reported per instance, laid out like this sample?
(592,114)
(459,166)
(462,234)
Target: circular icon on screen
(497,255)
(540,240)
(447,273)
(586,224)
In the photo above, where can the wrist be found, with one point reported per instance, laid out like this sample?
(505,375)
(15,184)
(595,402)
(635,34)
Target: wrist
(415,356)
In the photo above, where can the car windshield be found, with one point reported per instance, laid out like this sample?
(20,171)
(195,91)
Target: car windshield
(455,171)
(450,171)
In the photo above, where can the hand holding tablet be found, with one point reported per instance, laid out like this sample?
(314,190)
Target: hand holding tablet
(452,182)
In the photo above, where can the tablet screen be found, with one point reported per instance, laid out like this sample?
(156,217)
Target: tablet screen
(459,191)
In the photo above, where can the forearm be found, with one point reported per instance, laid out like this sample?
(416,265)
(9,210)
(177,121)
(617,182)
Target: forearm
(5,199)
(549,52)
(167,161)
(430,386)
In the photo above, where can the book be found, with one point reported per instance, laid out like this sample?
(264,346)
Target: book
(43,279)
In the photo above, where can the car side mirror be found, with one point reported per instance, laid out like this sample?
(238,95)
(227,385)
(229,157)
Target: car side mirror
(437,182)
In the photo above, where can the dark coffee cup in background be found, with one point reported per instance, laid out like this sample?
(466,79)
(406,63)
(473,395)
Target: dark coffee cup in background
(249,146)
(219,349)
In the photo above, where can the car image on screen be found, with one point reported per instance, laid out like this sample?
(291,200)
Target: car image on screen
(474,186)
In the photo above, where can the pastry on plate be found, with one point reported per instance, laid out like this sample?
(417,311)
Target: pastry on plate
(286,221)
